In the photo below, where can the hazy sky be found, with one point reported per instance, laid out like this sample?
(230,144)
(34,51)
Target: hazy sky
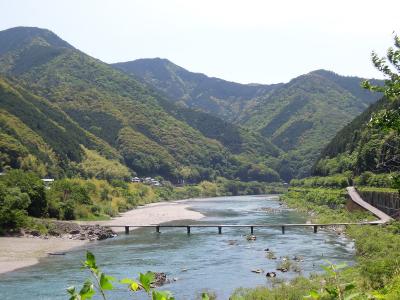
(244,41)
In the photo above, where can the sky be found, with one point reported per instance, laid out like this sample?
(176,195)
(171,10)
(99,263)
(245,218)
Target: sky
(244,41)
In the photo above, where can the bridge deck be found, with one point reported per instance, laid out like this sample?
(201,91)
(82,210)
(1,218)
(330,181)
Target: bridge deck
(250,226)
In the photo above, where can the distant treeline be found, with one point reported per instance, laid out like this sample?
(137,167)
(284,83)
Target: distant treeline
(342,180)
(24,195)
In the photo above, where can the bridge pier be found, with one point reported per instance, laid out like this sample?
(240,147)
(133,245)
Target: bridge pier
(126,229)
(158,229)
(219,230)
(252,230)
(315,229)
(188,230)
(283,229)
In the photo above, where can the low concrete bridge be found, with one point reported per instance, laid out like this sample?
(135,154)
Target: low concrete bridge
(357,201)
(283,227)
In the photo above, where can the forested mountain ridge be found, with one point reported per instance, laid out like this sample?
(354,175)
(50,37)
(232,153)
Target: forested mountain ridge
(122,112)
(36,135)
(195,90)
(153,133)
(237,139)
(303,115)
(299,117)
(361,147)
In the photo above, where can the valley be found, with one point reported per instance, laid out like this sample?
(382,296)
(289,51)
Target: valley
(87,145)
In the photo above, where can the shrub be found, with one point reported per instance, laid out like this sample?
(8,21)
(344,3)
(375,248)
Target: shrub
(13,206)
(376,180)
(109,210)
(64,195)
(67,210)
(208,189)
(33,186)
(334,181)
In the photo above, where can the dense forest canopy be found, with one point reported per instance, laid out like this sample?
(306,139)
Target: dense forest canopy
(298,117)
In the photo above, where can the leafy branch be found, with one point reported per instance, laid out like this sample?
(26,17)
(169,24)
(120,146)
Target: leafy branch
(101,283)
(336,289)
(390,70)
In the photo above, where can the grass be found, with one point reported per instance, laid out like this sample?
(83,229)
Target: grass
(96,218)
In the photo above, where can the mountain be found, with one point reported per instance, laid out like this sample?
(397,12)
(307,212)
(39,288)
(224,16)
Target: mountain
(360,147)
(195,90)
(116,112)
(36,134)
(299,117)
(302,116)
(238,139)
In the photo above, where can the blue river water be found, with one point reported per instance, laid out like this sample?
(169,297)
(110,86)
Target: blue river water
(202,261)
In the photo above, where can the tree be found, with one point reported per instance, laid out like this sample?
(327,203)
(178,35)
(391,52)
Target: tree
(65,195)
(13,205)
(391,71)
(388,119)
(31,184)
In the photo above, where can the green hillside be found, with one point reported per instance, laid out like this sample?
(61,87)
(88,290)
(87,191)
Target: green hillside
(38,135)
(360,147)
(305,114)
(195,90)
(238,139)
(160,119)
(299,117)
(124,116)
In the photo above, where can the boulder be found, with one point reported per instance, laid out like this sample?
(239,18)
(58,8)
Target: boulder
(270,274)
(160,279)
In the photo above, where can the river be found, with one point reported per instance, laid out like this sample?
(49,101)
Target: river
(202,261)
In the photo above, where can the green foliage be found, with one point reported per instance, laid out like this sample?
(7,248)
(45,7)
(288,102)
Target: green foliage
(360,147)
(11,151)
(391,89)
(325,205)
(376,246)
(37,135)
(371,179)
(101,283)
(304,114)
(258,172)
(30,184)
(75,100)
(13,206)
(372,139)
(377,254)
(333,199)
(97,166)
(211,95)
(144,155)
(94,199)
(64,198)
(299,117)
(237,139)
(334,289)
(293,290)
(334,181)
